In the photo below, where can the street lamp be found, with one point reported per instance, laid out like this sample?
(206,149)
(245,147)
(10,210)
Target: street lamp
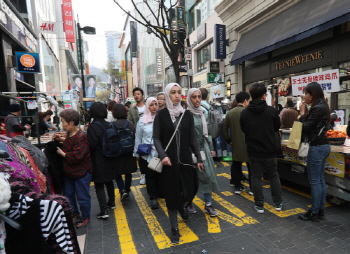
(87,30)
(228,86)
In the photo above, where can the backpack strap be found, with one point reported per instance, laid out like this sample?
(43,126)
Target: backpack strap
(126,123)
(101,125)
(204,106)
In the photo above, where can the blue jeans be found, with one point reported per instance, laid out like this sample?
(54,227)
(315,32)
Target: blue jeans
(207,198)
(79,190)
(124,186)
(316,162)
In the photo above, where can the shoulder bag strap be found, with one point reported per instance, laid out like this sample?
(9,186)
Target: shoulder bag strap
(177,127)
(101,125)
(321,130)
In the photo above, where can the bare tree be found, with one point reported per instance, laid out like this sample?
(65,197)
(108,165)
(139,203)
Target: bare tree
(162,17)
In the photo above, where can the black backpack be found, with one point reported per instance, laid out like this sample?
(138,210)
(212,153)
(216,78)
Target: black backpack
(117,140)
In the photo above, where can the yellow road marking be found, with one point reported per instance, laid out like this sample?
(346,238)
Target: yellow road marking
(187,235)
(245,172)
(92,184)
(213,222)
(225,164)
(227,193)
(157,231)
(125,238)
(245,218)
(244,164)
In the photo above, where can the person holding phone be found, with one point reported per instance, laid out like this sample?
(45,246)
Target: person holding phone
(179,179)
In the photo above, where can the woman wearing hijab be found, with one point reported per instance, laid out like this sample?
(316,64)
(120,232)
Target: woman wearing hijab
(144,135)
(208,181)
(178,180)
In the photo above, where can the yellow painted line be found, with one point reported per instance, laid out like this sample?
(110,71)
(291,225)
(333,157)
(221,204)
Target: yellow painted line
(127,245)
(244,164)
(216,166)
(213,222)
(157,231)
(266,186)
(236,211)
(92,184)
(227,193)
(245,172)
(225,164)
(187,235)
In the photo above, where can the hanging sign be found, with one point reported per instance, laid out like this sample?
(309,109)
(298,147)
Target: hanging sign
(217,91)
(68,21)
(329,81)
(220,41)
(28,62)
(133,34)
(180,15)
(215,77)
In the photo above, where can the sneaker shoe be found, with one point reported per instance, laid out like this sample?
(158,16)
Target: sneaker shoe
(231,182)
(211,211)
(154,204)
(77,219)
(259,209)
(175,236)
(250,192)
(123,195)
(190,209)
(111,206)
(143,180)
(278,207)
(239,190)
(184,214)
(84,222)
(103,215)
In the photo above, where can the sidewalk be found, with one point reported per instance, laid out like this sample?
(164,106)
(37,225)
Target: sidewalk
(134,228)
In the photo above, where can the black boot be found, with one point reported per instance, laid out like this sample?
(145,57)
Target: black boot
(308,216)
(321,214)
(184,214)
(175,236)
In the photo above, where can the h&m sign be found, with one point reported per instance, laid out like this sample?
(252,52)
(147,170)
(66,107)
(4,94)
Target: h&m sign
(299,59)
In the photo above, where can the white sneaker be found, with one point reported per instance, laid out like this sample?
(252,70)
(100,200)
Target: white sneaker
(143,180)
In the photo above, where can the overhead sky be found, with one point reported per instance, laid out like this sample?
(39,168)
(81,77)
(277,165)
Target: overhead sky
(104,15)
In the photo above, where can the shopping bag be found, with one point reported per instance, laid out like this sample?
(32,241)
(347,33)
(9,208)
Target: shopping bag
(295,136)
(347,142)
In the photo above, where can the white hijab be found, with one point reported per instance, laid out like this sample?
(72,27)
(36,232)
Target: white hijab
(197,111)
(174,109)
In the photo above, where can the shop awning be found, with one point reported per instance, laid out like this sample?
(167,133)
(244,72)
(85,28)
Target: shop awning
(306,18)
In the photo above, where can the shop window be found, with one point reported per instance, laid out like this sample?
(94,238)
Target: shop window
(203,56)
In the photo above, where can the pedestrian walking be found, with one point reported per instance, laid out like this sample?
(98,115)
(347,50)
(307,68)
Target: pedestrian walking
(126,164)
(161,100)
(13,124)
(103,168)
(77,166)
(260,122)
(208,182)
(144,137)
(135,113)
(236,139)
(178,180)
(315,131)
(110,106)
(289,115)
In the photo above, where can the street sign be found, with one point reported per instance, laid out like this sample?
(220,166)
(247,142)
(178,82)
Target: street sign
(216,78)
(180,14)
(28,62)
(190,72)
(188,57)
(214,67)
(220,41)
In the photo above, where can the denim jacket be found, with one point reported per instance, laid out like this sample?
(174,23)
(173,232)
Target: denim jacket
(144,135)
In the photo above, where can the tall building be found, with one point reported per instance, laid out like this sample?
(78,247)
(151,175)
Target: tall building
(114,53)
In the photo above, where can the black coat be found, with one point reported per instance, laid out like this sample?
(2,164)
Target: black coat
(55,165)
(259,122)
(42,129)
(126,164)
(348,129)
(178,183)
(104,168)
(316,119)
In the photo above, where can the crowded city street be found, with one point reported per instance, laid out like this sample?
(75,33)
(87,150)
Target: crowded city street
(174,126)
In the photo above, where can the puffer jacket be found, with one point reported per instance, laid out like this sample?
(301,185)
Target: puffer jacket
(316,119)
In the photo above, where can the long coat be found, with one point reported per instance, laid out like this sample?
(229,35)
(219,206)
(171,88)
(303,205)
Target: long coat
(236,136)
(178,183)
(104,168)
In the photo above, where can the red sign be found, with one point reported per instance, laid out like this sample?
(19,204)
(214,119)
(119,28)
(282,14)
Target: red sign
(68,20)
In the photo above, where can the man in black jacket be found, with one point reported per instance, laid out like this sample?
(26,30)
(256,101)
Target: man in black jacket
(260,123)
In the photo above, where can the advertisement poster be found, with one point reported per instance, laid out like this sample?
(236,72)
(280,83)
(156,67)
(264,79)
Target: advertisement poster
(216,78)
(335,165)
(90,86)
(76,83)
(67,101)
(340,117)
(329,81)
(217,91)
(285,87)
(27,62)
(68,20)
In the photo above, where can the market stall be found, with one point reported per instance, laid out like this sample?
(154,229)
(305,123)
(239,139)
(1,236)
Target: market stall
(337,170)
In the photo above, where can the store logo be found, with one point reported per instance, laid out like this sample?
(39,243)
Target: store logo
(300,59)
(27,61)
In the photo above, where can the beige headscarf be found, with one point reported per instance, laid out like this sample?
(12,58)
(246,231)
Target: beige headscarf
(197,111)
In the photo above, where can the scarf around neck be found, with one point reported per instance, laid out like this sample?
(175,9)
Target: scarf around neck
(147,115)
(197,111)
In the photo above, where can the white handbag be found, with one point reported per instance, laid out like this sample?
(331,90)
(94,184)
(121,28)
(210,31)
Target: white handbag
(194,158)
(304,147)
(156,163)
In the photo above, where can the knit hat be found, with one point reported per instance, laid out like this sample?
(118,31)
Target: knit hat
(15,107)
